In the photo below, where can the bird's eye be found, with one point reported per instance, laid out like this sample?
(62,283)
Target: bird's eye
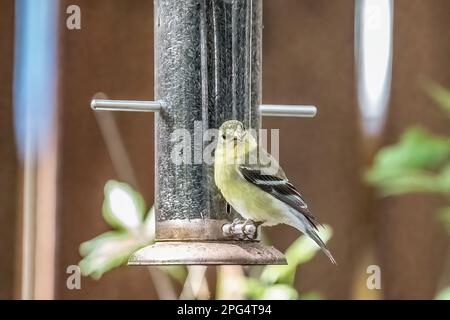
(224,137)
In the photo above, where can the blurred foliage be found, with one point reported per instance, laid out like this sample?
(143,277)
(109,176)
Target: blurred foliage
(419,162)
(277,282)
(301,251)
(444,294)
(125,211)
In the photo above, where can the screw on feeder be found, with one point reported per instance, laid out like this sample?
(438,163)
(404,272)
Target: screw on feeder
(208,58)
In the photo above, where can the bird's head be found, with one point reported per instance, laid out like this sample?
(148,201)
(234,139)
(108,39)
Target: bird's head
(234,142)
(231,132)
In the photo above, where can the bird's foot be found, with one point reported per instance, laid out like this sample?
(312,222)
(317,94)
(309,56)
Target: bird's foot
(244,230)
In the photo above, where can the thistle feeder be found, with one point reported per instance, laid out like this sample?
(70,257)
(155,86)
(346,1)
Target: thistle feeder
(208,68)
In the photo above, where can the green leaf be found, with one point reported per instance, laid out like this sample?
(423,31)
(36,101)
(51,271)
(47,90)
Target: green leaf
(439,94)
(417,149)
(107,253)
(179,273)
(412,165)
(123,207)
(407,183)
(444,294)
(253,288)
(112,249)
(88,246)
(257,290)
(300,252)
(311,296)
(280,292)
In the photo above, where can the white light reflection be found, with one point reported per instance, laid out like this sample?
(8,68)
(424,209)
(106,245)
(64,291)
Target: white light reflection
(124,208)
(373,49)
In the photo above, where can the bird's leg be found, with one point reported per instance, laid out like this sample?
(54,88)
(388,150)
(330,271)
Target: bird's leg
(246,223)
(228,208)
(235,225)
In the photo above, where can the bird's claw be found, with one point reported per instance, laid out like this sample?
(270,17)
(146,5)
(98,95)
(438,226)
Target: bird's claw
(246,230)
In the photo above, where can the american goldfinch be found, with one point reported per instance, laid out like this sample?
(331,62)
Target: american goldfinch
(254,184)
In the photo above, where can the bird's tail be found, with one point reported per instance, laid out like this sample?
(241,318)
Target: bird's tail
(313,235)
(305,226)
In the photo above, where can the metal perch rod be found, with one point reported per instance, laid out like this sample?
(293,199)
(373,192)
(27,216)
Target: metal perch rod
(273,110)
(126,105)
(282,110)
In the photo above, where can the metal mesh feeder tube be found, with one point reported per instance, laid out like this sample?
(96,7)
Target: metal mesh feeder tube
(207,70)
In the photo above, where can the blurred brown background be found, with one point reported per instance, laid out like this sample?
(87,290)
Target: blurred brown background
(308,59)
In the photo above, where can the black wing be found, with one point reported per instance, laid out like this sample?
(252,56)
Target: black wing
(279,188)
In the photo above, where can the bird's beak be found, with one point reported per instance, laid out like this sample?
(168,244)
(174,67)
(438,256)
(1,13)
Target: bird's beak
(235,140)
(240,135)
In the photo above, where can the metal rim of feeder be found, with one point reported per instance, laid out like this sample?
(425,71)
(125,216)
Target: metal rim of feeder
(208,67)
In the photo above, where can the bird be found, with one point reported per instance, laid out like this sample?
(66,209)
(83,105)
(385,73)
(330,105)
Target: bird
(253,183)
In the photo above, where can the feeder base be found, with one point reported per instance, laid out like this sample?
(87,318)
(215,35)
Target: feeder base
(207,253)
